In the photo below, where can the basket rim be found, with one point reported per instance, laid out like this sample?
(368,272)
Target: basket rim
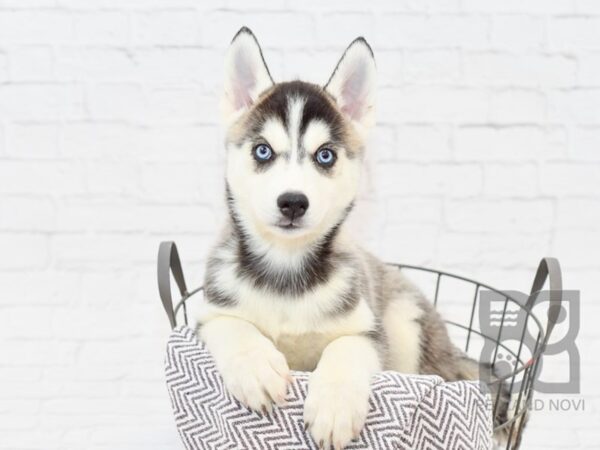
(534,357)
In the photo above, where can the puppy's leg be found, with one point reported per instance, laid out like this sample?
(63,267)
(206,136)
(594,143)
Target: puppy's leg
(338,392)
(253,370)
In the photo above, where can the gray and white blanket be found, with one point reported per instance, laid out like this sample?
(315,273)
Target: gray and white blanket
(406,411)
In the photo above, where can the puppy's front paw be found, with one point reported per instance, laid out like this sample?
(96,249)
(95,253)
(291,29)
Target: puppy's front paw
(335,410)
(257,376)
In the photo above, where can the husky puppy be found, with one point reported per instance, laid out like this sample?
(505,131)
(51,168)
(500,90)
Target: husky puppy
(285,287)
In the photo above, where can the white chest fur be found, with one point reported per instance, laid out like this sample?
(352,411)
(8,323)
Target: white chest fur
(300,326)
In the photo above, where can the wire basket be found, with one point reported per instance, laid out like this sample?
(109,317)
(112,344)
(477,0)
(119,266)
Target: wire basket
(516,349)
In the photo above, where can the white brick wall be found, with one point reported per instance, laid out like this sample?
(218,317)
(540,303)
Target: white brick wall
(486,157)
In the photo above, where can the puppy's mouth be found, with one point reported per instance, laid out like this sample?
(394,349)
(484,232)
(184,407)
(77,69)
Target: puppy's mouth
(289,225)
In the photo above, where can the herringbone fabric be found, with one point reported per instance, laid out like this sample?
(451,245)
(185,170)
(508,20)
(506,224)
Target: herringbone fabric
(406,412)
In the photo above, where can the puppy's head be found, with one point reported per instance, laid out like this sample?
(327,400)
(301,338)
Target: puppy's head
(294,149)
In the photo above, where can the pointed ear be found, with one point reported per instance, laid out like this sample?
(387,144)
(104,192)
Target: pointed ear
(352,83)
(246,74)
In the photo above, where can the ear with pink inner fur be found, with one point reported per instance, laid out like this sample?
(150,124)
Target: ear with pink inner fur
(246,74)
(352,83)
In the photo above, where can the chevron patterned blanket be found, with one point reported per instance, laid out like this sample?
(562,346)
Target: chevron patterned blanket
(406,412)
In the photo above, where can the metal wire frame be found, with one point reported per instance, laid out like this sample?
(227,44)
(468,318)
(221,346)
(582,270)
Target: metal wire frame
(527,370)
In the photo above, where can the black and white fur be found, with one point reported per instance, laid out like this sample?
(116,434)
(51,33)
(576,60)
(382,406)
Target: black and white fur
(298,293)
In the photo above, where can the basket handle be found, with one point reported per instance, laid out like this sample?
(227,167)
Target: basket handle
(548,269)
(169,262)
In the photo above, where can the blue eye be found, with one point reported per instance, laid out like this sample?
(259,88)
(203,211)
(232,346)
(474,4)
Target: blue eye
(325,157)
(262,153)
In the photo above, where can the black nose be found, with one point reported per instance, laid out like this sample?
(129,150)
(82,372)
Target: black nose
(292,204)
